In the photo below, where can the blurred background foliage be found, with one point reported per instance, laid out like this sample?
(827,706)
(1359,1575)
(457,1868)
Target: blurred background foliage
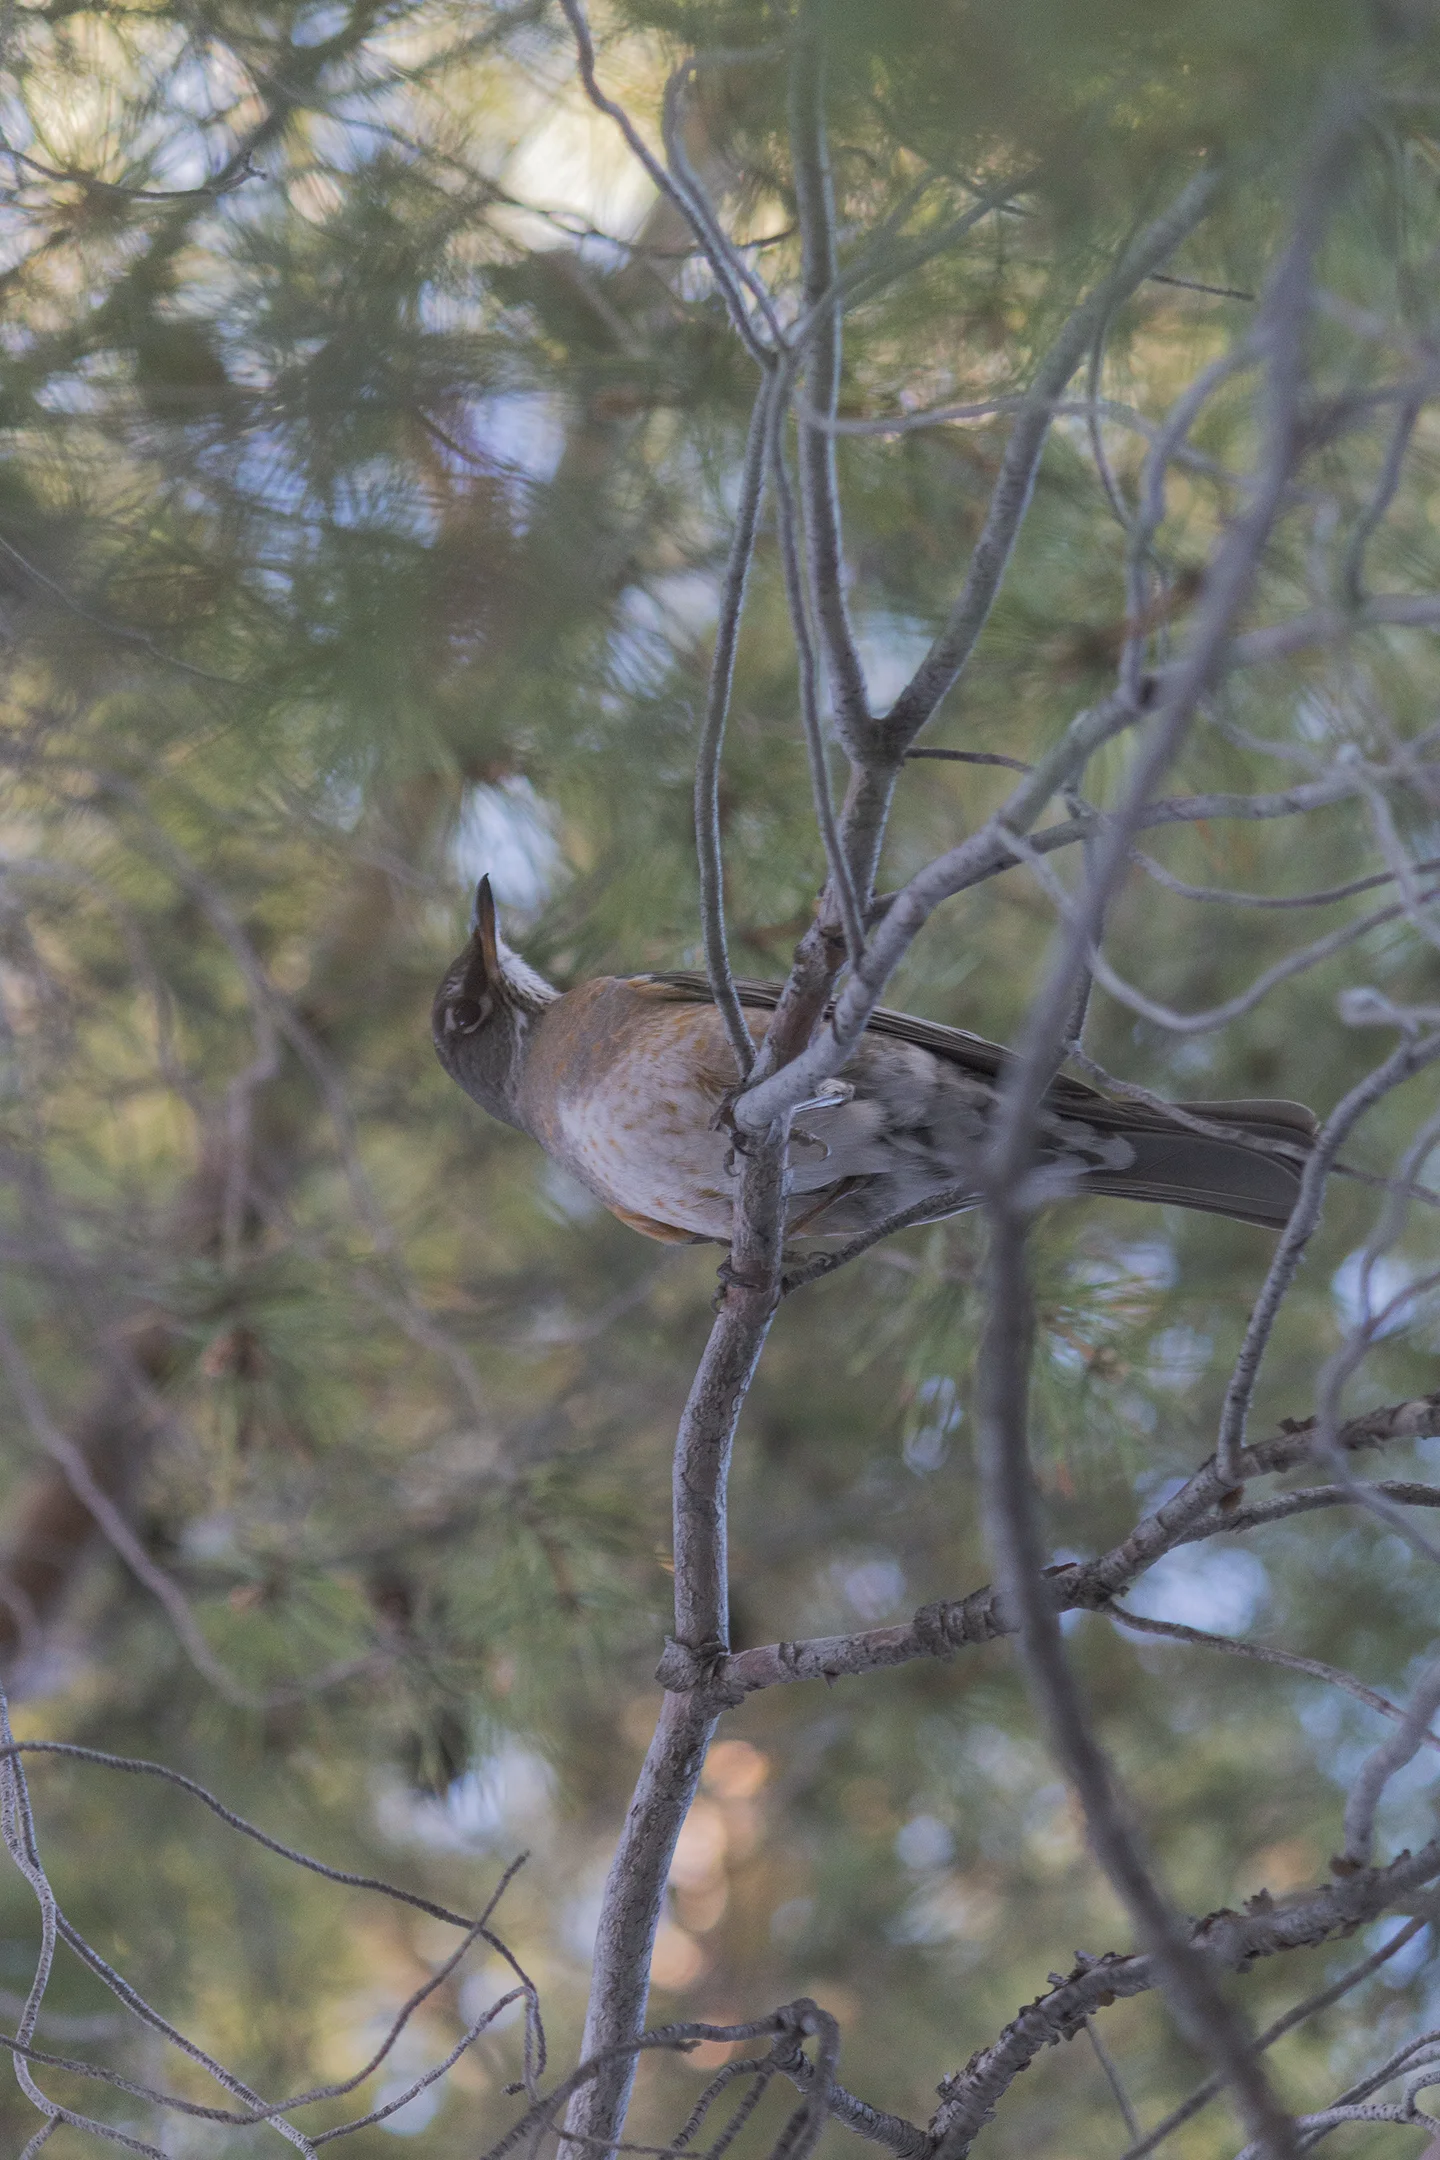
(370,441)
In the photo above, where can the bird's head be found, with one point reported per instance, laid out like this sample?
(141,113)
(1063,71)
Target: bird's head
(483,1013)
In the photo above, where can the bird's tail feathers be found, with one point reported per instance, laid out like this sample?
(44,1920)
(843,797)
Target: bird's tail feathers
(1178,1168)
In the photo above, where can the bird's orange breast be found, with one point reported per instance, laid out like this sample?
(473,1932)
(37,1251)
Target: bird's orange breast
(622,1085)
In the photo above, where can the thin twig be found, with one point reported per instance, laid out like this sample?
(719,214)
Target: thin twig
(1112,2078)
(1264,1654)
(679,197)
(1224,1941)
(1310,2007)
(819,486)
(1201,1509)
(1011,497)
(1411,1057)
(798,598)
(1381,1765)
(712,736)
(121,632)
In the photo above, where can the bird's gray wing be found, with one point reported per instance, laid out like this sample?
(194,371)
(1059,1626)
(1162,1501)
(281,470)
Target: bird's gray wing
(1170,1163)
(972,1052)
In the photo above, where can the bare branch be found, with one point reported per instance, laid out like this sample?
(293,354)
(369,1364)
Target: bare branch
(1353,565)
(1297,2015)
(1382,1763)
(634,1887)
(1234,1008)
(798,598)
(1203,1508)
(225,182)
(17,1825)
(1224,1941)
(1223,896)
(1264,1654)
(121,632)
(1014,1532)
(715,241)
(135,1766)
(972,757)
(712,736)
(1004,1371)
(718,256)
(1411,1057)
(111,1521)
(947,656)
(1112,2078)
(819,489)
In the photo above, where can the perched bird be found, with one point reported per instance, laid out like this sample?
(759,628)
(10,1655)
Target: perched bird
(622,1080)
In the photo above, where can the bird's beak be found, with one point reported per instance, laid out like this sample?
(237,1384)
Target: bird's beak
(482,958)
(484,932)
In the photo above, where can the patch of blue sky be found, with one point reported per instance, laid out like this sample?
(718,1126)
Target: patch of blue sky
(341,800)
(416,2114)
(1137,1410)
(1405,1818)
(1151,1261)
(508,832)
(407,2060)
(18,238)
(1177,1357)
(1342,1733)
(641,648)
(1194,1056)
(1407,1962)
(480,1991)
(924,1843)
(186,155)
(572,164)
(1155,1487)
(874,1589)
(261,466)
(520,431)
(380,494)
(1217,1588)
(15,121)
(71,393)
(1382,1296)
(506,1794)
(578,1921)
(891,647)
(371,118)
(447,309)
(319,23)
(687,602)
(936,1413)
(206,83)
(1148,1263)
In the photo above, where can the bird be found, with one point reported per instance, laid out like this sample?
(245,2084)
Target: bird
(625,1080)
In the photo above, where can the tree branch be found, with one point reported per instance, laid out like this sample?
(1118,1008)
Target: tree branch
(1225,1941)
(1201,1509)
(712,735)
(716,254)
(1411,1057)
(947,656)
(635,1885)
(819,489)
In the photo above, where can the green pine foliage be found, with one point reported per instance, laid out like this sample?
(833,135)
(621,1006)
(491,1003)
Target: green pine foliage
(360,524)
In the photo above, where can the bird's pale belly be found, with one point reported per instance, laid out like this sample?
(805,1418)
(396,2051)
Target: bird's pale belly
(645,1142)
(643,1136)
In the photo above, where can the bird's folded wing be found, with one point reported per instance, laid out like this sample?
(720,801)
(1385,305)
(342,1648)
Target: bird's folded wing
(1284,1121)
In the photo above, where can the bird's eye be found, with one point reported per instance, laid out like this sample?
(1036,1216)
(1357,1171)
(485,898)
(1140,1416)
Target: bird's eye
(465,1015)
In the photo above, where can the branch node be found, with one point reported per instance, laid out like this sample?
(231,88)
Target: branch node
(684,1670)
